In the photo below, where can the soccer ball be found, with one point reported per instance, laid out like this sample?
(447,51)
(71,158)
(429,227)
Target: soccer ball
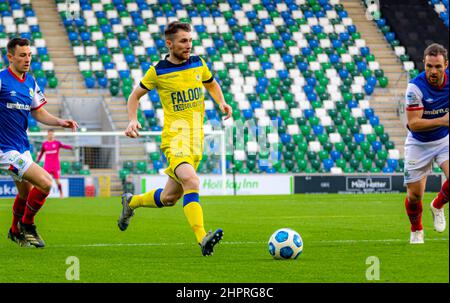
(285,243)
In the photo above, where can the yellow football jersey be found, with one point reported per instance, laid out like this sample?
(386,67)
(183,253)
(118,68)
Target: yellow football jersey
(180,88)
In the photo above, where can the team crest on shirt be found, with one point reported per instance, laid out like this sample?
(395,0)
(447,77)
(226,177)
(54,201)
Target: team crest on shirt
(31,92)
(411,97)
(13,158)
(197,77)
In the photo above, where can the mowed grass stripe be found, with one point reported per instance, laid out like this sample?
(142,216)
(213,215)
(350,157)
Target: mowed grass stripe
(339,231)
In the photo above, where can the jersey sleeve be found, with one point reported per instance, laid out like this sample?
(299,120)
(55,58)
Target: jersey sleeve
(207,76)
(149,81)
(38,98)
(413,97)
(65,146)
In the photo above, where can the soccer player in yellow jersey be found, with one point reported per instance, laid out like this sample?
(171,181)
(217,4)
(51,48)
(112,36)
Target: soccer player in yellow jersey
(179,79)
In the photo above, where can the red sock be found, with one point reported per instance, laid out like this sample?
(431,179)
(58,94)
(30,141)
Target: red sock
(36,199)
(414,212)
(18,212)
(60,188)
(442,197)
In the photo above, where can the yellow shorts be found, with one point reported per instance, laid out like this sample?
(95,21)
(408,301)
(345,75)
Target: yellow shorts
(174,160)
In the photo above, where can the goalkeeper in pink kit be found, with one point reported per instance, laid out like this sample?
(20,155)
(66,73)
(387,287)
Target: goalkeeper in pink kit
(51,164)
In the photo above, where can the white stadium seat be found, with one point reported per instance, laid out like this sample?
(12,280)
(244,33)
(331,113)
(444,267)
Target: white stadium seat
(84,65)
(314,146)
(335,138)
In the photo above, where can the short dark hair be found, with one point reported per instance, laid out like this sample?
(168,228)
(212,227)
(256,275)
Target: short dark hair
(436,49)
(175,26)
(11,46)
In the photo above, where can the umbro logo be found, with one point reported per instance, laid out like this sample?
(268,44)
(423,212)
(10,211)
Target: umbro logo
(429,100)
(13,93)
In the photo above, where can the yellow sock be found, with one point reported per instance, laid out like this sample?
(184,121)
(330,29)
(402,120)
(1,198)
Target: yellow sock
(194,214)
(150,199)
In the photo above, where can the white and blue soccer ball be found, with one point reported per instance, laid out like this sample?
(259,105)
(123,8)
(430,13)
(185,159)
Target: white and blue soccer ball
(285,243)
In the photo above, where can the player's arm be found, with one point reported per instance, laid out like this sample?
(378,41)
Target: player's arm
(414,111)
(215,91)
(132,107)
(40,154)
(65,146)
(43,116)
(417,124)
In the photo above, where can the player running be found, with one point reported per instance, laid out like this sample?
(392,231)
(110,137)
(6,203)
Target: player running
(427,116)
(179,79)
(51,164)
(20,95)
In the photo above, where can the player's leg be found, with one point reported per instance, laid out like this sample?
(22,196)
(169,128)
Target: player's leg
(21,167)
(193,210)
(42,183)
(191,206)
(56,174)
(414,209)
(413,202)
(58,184)
(159,197)
(155,198)
(23,188)
(437,205)
(418,163)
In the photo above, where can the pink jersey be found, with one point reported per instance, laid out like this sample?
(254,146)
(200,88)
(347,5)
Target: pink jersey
(51,150)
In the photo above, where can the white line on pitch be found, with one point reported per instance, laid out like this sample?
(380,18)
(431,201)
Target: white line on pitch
(237,243)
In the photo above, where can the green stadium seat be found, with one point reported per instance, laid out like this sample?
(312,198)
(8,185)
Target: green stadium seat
(382,154)
(359,155)
(380,163)
(141,166)
(85,172)
(65,167)
(389,145)
(123,173)
(379,130)
(77,166)
(367,164)
(128,165)
(354,164)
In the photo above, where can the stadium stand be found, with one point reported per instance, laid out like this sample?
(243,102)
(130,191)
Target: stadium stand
(303,66)
(18,19)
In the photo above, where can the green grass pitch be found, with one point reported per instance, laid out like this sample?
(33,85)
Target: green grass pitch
(339,232)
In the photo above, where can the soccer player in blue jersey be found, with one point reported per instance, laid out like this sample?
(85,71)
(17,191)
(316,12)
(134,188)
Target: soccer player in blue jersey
(427,141)
(20,95)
